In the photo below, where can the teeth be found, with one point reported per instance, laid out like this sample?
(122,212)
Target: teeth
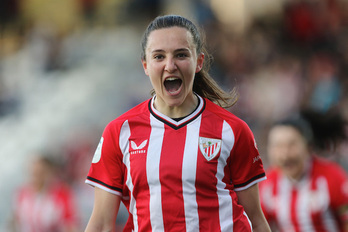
(171,79)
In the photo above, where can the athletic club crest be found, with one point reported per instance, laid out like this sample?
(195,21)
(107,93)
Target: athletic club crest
(209,147)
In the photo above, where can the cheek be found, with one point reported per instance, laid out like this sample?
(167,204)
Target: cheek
(301,154)
(273,155)
(153,70)
(190,69)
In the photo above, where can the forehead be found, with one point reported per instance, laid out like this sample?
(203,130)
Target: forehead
(172,37)
(284,134)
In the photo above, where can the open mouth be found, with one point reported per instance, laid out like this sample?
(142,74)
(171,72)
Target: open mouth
(172,84)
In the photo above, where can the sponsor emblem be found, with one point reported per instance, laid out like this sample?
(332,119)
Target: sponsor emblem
(209,147)
(135,149)
(97,153)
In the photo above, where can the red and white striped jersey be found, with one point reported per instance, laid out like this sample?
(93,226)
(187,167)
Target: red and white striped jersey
(52,210)
(310,204)
(178,176)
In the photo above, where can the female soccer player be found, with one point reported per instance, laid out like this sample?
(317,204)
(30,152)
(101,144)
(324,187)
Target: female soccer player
(178,161)
(303,192)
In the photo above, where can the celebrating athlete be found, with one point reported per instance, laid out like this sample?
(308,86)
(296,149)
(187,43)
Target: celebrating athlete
(178,161)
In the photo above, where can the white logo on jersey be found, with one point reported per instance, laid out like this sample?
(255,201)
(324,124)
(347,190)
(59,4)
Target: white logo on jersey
(97,153)
(138,149)
(209,147)
(141,146)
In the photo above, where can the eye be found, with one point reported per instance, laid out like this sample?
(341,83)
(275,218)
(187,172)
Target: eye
(158,57)
(182,55)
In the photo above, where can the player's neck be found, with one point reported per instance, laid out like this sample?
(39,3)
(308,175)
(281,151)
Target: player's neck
(181,111)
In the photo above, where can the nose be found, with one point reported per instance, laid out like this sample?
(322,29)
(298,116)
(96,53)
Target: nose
(286,153)
(170,65)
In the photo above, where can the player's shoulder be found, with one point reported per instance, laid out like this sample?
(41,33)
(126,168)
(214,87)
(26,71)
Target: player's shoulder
(221,112)
(234,121)
(326,166)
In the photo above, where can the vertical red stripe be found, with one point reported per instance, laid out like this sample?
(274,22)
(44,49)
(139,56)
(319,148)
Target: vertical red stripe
(205,180)
(171,179)
(293,209)
(138,173)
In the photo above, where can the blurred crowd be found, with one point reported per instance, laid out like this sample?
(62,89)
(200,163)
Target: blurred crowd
(284,58)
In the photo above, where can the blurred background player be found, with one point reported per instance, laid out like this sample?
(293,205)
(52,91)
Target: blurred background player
(44,203)
(303,192)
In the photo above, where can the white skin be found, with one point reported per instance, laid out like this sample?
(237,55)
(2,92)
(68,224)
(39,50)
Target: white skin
(171,53)
(288,150)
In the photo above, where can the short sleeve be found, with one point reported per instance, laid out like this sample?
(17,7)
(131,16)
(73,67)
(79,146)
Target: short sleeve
(106,171)
(246,164)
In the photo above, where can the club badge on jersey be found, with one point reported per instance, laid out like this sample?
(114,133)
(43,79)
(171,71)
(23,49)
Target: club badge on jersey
(209,147)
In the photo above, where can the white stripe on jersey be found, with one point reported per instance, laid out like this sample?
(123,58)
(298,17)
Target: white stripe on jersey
(124,146)
(152,172)
(329,220)
(284,204)
(303,210)
(251,226)
(189,175)
(306,200)
(225,213)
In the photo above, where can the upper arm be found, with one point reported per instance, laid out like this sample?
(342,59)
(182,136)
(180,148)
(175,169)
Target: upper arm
(246,166)
(249,199)
(104,212)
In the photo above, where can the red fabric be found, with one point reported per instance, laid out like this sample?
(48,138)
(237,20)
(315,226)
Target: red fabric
(309,205)
(52,210)
(167,183)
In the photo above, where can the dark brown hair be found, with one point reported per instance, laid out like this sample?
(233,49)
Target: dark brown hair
(204,85)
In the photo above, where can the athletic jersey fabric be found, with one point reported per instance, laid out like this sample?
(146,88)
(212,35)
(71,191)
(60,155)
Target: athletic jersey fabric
(178,176)
(310,204)
(53,210)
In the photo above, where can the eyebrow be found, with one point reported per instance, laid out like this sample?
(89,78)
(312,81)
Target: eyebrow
(176,50)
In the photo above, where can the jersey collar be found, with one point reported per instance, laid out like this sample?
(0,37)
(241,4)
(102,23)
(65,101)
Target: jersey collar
(171,122)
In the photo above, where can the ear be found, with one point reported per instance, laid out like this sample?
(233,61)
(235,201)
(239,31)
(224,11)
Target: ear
(145,66)
(200,60)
